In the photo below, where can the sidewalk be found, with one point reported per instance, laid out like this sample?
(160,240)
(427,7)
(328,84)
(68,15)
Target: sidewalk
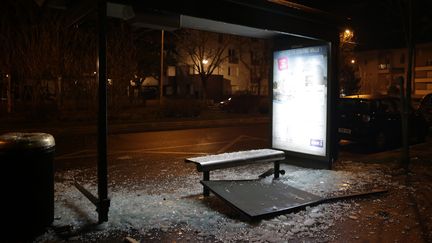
(171,209)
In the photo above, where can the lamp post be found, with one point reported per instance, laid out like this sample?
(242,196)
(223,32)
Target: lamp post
(406,97)
(347,63)
(162,68)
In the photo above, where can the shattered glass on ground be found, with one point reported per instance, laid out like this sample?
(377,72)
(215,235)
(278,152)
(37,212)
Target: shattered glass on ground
(174,206)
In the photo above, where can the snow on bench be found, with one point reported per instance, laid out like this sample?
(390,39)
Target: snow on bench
(208,163)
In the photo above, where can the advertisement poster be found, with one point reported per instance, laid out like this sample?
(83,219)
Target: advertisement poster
(300,100)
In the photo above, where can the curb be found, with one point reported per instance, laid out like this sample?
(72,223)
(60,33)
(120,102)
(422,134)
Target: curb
(146,126)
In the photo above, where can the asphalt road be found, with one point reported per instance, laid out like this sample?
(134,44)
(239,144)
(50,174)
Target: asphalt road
(78,151)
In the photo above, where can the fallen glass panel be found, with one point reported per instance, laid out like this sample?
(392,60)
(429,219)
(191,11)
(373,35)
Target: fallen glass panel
(259,199)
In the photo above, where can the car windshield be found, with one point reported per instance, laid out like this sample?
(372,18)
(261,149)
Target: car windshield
(354,105)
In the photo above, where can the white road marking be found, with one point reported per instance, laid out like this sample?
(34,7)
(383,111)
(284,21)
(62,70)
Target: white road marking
(91,153)
(226,147)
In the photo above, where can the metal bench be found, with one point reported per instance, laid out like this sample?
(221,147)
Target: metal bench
(208,163)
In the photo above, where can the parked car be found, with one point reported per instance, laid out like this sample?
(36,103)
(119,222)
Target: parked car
(425,107)
(376,120)
(245,103)
(150,92)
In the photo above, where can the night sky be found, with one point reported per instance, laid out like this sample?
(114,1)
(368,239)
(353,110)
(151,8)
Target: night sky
(380,24)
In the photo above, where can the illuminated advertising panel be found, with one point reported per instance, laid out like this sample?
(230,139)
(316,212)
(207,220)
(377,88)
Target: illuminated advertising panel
(300,100)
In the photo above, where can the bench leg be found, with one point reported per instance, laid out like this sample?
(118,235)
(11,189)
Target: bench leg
(276,169)
(206,191)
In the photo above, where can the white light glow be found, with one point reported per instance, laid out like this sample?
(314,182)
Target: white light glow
(300,100)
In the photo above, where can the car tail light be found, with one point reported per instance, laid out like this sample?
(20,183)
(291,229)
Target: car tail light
(366,118)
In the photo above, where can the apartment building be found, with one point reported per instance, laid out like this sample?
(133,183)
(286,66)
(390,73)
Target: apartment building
(423,69)
(245,65)
(379,69)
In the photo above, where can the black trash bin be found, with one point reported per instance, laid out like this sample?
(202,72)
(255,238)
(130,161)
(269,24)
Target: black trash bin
(27,178)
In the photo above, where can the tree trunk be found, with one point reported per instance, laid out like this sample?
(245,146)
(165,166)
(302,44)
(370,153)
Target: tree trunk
(204,88)
(259,87)
(9,93)
(59,93)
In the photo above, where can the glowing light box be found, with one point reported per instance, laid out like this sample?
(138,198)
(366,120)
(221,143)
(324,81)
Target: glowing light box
(299,117)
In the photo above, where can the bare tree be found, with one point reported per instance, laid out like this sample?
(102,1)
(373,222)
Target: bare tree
(33,36)
(205,50)
(122,61)
(78,57)
(255,55)
(148,50)
(40,47)
(5,58)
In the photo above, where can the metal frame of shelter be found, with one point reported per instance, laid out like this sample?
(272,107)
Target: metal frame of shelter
(303,26)
(102,201)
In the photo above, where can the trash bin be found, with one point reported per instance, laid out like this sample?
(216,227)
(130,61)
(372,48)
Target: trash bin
(27,178)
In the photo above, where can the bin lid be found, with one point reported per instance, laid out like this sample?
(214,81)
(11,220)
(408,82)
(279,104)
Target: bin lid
(19,140)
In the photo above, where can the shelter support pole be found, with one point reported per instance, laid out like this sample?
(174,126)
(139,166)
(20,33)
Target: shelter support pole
(104,201)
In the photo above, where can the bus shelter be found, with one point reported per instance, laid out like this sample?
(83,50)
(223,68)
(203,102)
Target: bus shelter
(304,70)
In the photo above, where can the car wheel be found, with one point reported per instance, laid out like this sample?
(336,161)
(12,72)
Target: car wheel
(380,141)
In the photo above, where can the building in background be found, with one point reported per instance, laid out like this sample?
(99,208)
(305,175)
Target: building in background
(423,69)
(380,69)
(244,65)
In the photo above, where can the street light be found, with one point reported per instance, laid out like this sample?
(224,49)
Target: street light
(204,61)
(347,35)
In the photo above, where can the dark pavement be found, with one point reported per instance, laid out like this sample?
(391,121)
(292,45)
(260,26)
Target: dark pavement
(402,215)
(209,118)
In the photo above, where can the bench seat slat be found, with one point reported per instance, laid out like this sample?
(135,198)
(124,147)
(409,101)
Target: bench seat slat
(219,161)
